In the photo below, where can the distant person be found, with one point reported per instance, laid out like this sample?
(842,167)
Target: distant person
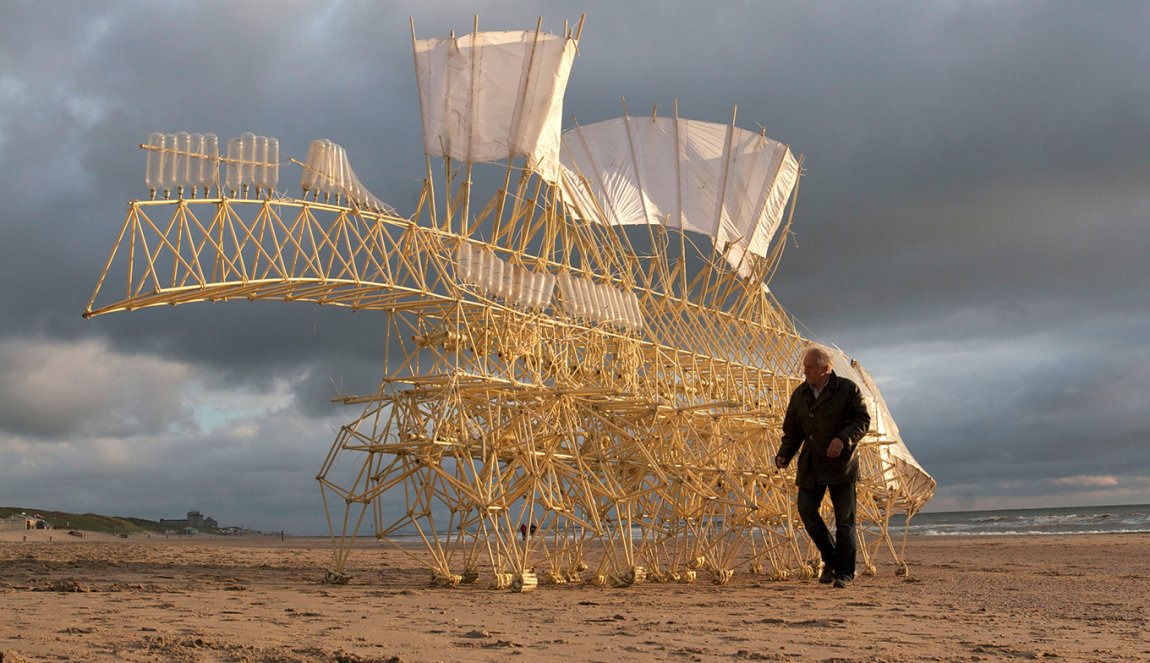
(523,531)
(826,417)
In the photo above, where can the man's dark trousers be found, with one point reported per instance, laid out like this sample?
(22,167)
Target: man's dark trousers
(840,553)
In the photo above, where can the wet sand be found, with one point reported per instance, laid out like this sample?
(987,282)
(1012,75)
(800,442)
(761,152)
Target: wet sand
(989,598)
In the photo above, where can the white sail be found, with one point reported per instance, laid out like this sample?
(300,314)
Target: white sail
(490,96)
(901,475)
(724,182)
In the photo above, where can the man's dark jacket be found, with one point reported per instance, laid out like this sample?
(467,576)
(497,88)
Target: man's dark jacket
(812,423)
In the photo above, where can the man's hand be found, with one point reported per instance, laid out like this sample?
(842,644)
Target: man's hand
(835,449)
(780,462)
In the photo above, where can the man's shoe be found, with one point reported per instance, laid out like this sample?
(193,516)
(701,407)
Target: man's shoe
(827,576)
(843,581)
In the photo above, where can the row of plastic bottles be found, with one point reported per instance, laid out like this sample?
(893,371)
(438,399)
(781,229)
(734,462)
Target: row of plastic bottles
(181,161)
(189,163)
(518,286)
(253,163)
(601,302)
(328,171)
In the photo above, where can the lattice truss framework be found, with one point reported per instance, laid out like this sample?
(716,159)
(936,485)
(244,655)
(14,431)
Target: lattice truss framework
(630,442)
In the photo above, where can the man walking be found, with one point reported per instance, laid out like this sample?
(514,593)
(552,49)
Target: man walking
(826,417)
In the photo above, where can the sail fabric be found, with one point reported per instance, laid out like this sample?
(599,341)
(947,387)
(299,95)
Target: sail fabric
(490,96)
(901,473)
(724,182)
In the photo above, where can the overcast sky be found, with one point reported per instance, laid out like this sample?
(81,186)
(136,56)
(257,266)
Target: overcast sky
(973,225)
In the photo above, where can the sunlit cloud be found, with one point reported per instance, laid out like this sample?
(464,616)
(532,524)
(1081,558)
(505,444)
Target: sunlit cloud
(82,389)
(1087,481)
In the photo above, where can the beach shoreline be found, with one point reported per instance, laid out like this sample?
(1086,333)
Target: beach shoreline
(107,598)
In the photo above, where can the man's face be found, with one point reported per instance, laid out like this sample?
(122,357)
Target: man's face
(815,373)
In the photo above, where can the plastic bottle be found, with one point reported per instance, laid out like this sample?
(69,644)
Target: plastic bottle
(195,159)
(168,175)
(209,172)
(233,177)
(248,171)
(498,268)
(180,162)
(154,171)
(272,174)
(463,262)
(519,286)
(583,305)
(338,172)
(548,290)
(259,163)
(347,176)
(567,292)
(534,289)
(313,168)
(486,268)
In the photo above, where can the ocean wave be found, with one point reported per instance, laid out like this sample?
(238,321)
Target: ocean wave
(1067,520)
(1011,532)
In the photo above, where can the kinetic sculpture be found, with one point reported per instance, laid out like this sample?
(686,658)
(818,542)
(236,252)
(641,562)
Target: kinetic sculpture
(587,376)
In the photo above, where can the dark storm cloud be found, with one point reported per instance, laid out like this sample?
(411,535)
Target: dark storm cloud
(1010,193)
(972,223)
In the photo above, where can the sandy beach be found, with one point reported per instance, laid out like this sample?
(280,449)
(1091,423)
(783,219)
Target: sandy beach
(987,598)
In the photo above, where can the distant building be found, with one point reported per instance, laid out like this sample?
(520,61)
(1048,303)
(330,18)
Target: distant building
(13,522)
(200,521)
(195,521)
(24,521)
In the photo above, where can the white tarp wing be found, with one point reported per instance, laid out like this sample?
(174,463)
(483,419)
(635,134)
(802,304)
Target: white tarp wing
(490,96)
(724,182)
(901,473)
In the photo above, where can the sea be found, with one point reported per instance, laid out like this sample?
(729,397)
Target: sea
(1063,520)
(1133,518)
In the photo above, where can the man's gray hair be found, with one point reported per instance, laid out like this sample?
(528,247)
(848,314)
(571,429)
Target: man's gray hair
(821,353)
